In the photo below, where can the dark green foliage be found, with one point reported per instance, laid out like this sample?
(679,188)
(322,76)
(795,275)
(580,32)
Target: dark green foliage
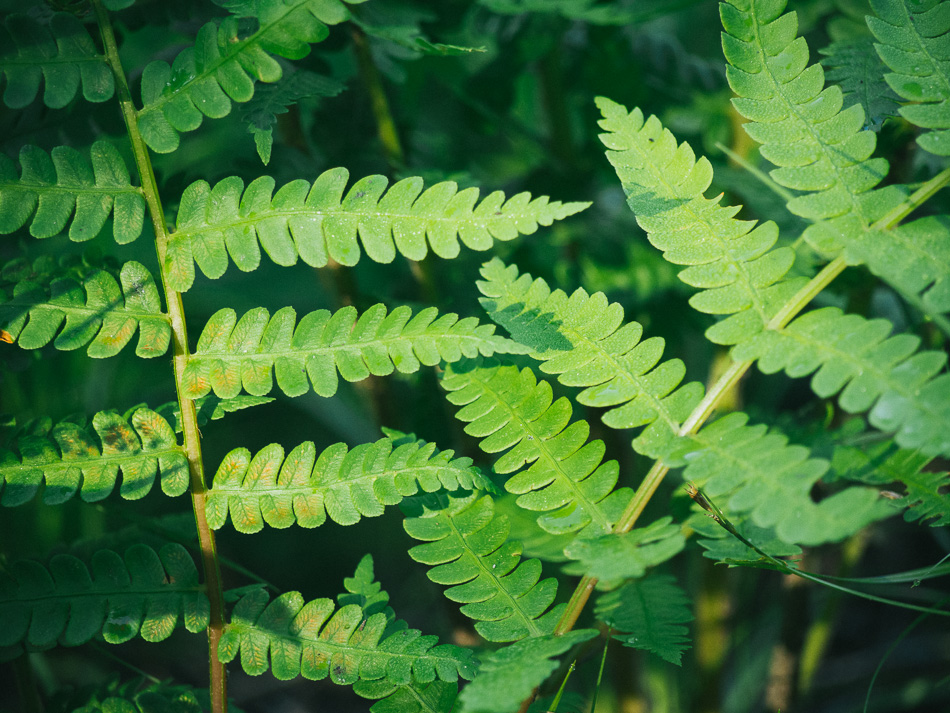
(132,698)
(857,69)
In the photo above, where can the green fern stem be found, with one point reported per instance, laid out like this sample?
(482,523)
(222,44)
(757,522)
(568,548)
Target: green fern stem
(188,413)
(385,124)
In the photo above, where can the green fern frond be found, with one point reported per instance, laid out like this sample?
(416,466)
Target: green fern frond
(318,223)
(129,697)
(653,611)
(212,408)
(233,354)
(222,66)
(511,410)
(64,189)
(721,546)
(583,340)
(317,640)
(613,558)
(344,484)
(60,53)
(434,697)
(855,66)
(467,546)
(69,458)
(99,311)
(509,675)
(146,594)
(733,262)
(913,41)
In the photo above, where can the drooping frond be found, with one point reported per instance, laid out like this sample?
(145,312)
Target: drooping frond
(344,484)
(613,558)
(235,354)
(913,40)
(60,53)
(855,66)
(651,612)
(70,458)
(145,593)
(508,676)
(99,311)
(222,66)
(317,640)
(511,410)
(64,189)
(318,223)
(733,262)
(582,339)
(820,149)
(467,546)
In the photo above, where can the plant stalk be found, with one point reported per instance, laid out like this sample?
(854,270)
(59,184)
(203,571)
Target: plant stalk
(385,124)
(176,313)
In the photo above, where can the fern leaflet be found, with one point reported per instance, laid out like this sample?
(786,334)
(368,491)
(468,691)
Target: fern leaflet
(613,558)
(318,223)
(855,66)
(98,312)
(130,698)
(69,459)
(145,593)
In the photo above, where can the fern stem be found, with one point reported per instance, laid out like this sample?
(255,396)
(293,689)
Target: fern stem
(385,124)
(189,419)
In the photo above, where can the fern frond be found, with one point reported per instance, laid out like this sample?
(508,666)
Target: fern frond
(434,697)
(733,262)
(653,611)
(60,53)
(222,66)
(129,697)
(318,223)
(145,593)
(344,484)
(582,339)
(233,354)
(317,640)
(913,39)
(854,64)
(721,546)
(613,558)
(99,311)
(467,546)
(69,458)
(511,410)
(64,189)
(508,676)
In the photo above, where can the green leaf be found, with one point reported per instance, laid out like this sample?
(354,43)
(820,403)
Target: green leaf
(99,312)
(856,67)
(146,594)
(435,697)
(64,190)
(653,611)
(130,698)
(612,558)
(71,459)
(721,546)
(324,221)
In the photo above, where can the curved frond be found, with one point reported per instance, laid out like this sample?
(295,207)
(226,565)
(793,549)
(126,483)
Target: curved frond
(222,66)
(344,484)
(99,311)
(61,54)
(734,262)
(316,640)
(145,593)
(582,339)
(913,40)
(233,354)
(511,410)
(64,189)
(70,459)
(467,546)
(855,66)
(324,221)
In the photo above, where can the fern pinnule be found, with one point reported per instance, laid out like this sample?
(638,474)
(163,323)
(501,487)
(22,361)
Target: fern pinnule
(324,221)
(855,66)
(68,458)
(343,483)
(145,593)
(99,311)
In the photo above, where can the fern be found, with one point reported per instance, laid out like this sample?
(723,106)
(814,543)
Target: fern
(145,593)
(233,354)
(346,484)
(60,53)
(509,408)
(318,223)
(62,189)
(316,640)
(97,311)
(653,610)
(70,459)
(222,67)
(134,697)
(857,69)
(469,546)
(912,39)
(614,558)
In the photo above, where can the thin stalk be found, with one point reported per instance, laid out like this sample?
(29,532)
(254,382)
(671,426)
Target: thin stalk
(385,124)
(176,313)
